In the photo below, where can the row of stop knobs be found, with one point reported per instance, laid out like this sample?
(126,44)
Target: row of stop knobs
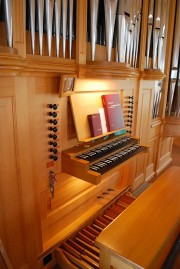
(129,100)
(53,149)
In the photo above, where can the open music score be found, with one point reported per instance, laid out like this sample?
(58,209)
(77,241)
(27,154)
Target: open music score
(91,160)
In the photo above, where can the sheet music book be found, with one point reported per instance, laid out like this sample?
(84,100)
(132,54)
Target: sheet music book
(113,112)
(95,124)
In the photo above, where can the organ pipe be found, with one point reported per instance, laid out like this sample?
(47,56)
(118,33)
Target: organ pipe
(57,23)
(8,18)
(110,13)
(94,13)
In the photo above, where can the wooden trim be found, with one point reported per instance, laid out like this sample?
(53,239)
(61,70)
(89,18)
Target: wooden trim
(81,31)
(152,74)
(107,70)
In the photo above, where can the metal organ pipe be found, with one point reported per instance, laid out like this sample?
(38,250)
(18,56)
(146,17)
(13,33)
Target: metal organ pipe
(121,31)
(57,23)
(156,31)
(49,19)
(160,63)
(110,14)
(40,21)
(174,82)
(64,19)
(71,5)
(8,18)
(32,22)
(94,12)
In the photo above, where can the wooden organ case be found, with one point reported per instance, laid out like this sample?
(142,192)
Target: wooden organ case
(37,229)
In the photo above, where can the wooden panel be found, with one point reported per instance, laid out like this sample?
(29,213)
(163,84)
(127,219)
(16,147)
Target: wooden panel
(141,162)
(152,157)
(164,154)
(150,214)
(67,189)
(11,228)
(171,127)
(155,129)
(144,113)
(41,93)
(140,171)
(166,145)
(129,172)
(27,181)
(6,87)
(81,26)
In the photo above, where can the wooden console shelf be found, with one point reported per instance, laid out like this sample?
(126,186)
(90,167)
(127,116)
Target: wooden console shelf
(142,236)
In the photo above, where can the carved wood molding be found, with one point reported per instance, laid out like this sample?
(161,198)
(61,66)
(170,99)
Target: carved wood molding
(152,74)
(12,64)
(104,69)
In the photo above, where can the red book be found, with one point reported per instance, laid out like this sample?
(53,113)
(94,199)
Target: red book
(95,124)
(113,112)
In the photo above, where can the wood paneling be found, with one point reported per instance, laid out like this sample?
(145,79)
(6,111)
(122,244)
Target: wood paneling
(11,228)
(144,113)
(81,28)
(171,126)
(152,158)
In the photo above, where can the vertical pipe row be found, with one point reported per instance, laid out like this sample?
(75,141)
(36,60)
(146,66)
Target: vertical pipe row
(173,102)
(122,22)
(156,34)
(52,17)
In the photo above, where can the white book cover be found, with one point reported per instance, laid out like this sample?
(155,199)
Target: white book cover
(103,120)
